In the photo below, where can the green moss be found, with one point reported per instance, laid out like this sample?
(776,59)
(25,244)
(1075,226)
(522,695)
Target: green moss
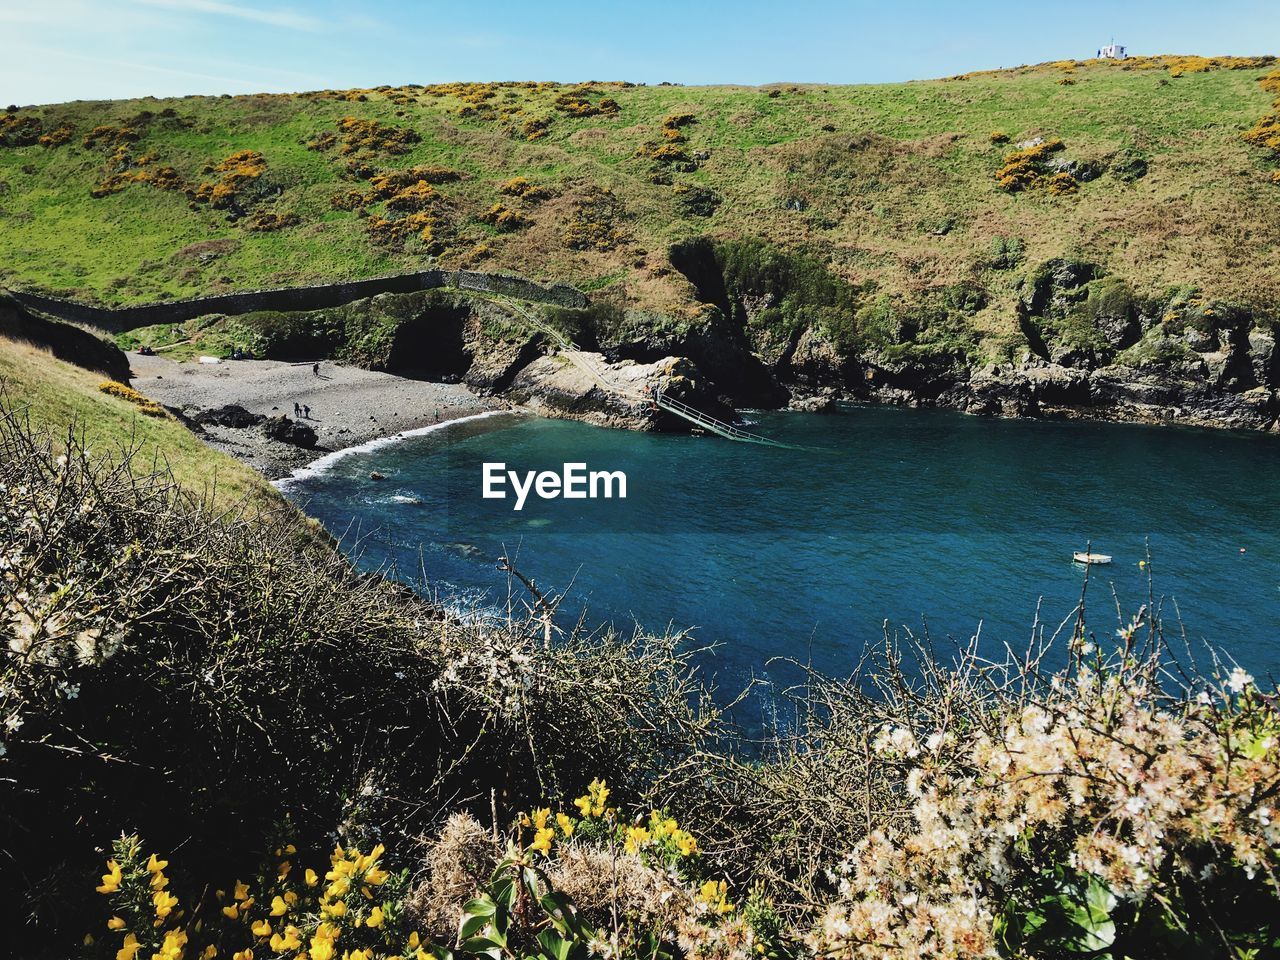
(1155,349)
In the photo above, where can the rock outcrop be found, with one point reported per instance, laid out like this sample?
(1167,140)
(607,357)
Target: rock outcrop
(293,432)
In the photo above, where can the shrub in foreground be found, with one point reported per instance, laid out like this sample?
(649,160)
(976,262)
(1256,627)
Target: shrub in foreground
(194,679)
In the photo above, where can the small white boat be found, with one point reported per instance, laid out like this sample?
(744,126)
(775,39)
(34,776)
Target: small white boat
(1081,557)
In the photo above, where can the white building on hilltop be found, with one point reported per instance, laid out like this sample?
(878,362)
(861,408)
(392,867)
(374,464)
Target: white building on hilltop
(1112,51)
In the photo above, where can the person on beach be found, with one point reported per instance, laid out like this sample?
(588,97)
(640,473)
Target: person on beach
(437,414)
(315,369)
(306,411)
(297,409)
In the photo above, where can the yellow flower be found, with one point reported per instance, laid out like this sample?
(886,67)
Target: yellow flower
(377,876)
(335,909)
(115,923)
(245,954)
(285,867)
(715,895)
(242,891)
(262,928)
(209,952)
(542,840)
(111,879)
(278,907)
(164,902)
(130,948)
(159,881)
(322,942)
(232,912)
(414,940)
(375,919)
(341,869)
(637,837)
(565,824)
(155,866)
(290,849)
(593,804)
(311,877)
(175,942)
(540,818)
(291,898)
(290,941)
(686,843)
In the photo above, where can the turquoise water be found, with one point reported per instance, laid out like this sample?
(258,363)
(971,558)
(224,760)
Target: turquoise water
(912,517)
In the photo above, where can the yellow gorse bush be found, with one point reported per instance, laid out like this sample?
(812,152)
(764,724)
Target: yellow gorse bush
(146,406)
(1026,169)
(356,911)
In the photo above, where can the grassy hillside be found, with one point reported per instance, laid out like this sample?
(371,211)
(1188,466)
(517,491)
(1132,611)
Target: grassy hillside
(894,187)
(54,396)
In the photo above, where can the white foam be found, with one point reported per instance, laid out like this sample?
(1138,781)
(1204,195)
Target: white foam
(325,463)
(403,498)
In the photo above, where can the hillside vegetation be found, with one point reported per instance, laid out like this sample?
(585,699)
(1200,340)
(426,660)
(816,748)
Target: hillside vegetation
(108,418)
(909,192)
(259,751)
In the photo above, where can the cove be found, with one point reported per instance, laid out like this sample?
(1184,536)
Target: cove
(914,517)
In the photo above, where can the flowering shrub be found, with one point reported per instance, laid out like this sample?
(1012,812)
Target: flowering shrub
(576,102)
(504,218)
(417,196)
(57,136)
(1025,168)
(535,128)
(596,221)
(109,135)
(20,130)
(1061,184)
(1086,819)
(1266,132)
(354,906)
(348,200)
(408,191)
(522,189)
(356,909)
(395,233)
(268,222)
(371,136)
(601,886)
(998,137)
(145,405)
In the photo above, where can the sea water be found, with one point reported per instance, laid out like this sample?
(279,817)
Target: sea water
(926,522)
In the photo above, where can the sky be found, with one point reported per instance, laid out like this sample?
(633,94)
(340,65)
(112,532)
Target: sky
(57,50)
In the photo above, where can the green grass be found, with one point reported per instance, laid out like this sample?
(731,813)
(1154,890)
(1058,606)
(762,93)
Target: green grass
(59,397)
(899,163)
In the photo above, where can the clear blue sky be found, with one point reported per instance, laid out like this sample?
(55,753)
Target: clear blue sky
(53,50)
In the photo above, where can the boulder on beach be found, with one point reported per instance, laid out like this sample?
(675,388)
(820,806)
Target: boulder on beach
(285,430)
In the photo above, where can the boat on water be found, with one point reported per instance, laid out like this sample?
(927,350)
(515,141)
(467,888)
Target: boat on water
(1081,556)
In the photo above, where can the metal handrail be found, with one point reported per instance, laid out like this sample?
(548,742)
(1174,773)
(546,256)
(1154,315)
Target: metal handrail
(670,404)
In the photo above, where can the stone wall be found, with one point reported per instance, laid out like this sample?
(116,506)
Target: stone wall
(317,297)
(64,341)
